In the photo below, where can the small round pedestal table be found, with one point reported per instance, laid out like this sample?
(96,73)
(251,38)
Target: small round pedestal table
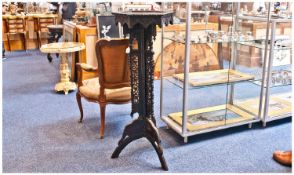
(63,48)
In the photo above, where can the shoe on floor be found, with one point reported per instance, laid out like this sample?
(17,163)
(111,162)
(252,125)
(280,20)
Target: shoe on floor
(283,157)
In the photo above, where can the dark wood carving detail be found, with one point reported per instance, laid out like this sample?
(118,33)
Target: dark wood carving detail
(134,65)
(141,28)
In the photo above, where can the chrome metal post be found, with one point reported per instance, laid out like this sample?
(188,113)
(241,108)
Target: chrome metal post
(186,68)
(235,27)
(161,68)
(269,71)
(264,62)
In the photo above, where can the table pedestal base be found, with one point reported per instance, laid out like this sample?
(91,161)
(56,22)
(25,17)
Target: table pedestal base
(64,84)
(139,128)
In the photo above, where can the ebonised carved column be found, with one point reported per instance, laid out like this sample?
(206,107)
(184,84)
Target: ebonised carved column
(141,27)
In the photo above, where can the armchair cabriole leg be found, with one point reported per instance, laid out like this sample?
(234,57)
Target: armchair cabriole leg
(102,115)
(79,100)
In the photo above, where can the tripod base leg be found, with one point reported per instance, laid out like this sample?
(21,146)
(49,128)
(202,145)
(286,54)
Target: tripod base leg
(140,128)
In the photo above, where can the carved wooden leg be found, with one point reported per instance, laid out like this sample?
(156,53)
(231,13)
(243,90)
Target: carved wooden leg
(79,100)
(3,50)
(8,41)
(49,57)
(51,39)
(25,41)
(159,152)
(39,40)
(140,128)
(153,136)
(132,131)
(57,39)
(123,143)
(132,114)
(153,120)
(102,115)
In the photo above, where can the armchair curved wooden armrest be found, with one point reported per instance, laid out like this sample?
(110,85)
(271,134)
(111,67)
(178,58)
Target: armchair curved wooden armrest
(88,68)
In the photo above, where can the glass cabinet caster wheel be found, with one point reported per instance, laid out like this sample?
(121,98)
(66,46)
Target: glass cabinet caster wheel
(250,125)
(264,124)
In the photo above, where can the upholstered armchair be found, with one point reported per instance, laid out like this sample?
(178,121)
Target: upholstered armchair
(113,84)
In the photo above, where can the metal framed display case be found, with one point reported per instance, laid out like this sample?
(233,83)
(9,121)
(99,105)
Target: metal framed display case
(199,97)
(277,69)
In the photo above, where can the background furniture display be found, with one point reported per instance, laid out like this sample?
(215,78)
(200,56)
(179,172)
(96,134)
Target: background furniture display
(41,23)
(63,48)
(113,84)
(54,34)
(141,26)
(16,41)
(16,25)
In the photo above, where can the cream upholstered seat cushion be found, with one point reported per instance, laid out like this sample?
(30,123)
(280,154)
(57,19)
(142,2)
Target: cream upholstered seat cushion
(91,89)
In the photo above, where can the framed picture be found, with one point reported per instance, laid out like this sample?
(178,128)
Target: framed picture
(279,104)
(213,116)
(212,77)
(106,27)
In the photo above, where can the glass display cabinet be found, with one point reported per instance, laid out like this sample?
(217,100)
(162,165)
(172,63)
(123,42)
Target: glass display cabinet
(204,89)
(275,47)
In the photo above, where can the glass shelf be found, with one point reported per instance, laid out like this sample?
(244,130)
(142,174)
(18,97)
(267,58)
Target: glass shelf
(263,18)
(210,78)
(206,39)
(281,76)
(262,46)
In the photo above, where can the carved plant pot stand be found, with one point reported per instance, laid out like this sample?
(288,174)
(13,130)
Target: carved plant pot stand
(63,48)
(141,26)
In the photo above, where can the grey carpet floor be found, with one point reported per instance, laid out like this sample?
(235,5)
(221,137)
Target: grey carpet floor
(41,132)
